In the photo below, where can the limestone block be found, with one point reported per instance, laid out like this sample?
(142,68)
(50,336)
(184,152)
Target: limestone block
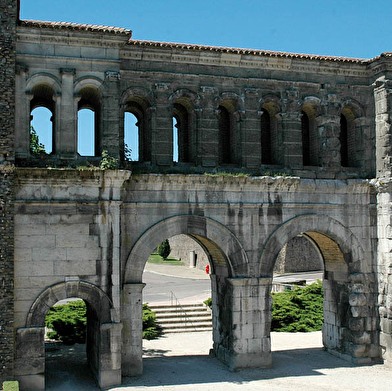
(356,324)
(254,345)
(357,299)
(31,241)
(74,241)
(45,254)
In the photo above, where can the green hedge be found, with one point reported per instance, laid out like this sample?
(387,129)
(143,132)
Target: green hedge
(298,310)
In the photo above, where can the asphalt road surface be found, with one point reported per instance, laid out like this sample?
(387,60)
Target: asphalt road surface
(158,288)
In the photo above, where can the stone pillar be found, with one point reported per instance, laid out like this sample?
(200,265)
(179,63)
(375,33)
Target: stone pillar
(383,111)
(66,142)
(109,373)
(9,17)
(209,129)
(162,133)
(329,130)
(110,139)
(22,114)
(132,331)
(242,331)
(292,139)
(251,140)
(30,358)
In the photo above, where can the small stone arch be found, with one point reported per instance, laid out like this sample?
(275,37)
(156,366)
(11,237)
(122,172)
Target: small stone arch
(137,92)
(103,342)
(90,293)
(220,242)
(348,244)
(184,94)
(87,81)
(44,78)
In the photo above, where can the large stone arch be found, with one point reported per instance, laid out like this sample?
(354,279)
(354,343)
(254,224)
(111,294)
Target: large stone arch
(103,335)
(351,248)
(220,242)
(228,262)
(348,302)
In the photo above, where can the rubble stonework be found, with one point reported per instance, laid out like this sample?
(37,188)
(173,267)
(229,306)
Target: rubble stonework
(69,229)
(8,11)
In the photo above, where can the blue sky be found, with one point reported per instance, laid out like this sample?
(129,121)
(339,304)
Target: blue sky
(346,28)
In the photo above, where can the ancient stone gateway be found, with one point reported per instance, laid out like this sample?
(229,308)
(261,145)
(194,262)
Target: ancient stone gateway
(311,133)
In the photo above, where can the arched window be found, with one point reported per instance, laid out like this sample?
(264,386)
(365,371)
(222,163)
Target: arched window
(305,129)
(42,128)
(181,134)
(348,144)
(131,137)
(343,141)
(137,136)
(89,121)
(228,150)
(42,109)
(266,141)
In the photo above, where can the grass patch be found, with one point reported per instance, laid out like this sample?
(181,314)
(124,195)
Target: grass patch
(157,259)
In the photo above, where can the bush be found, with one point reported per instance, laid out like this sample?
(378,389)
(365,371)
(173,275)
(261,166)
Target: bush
(36,148)
(150,328)
(298,310)
(108,162)
(68,322)
(208,302)
(164,249)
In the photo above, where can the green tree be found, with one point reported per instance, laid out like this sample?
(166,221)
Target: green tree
(164,249)
(36,148)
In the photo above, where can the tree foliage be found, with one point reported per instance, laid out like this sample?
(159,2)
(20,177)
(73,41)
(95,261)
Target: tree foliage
(298,310)
(36,148)
(164,249)
(68,322)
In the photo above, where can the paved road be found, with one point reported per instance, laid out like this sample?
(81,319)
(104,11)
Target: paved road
(158,288)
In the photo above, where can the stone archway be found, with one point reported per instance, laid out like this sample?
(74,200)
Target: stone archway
(348,302)
(103,335)
(230,286)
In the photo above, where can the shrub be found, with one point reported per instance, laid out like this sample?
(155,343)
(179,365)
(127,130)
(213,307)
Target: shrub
(68,322)
(208,302)
(108,162)
(150,328)
(298,310)
(164,249)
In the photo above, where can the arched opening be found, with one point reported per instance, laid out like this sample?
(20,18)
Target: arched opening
(181,133)
(305,131)
(89,121)
(222,252)
(266,139)
(42,119)
(343,260)
(228,152)
(310,141)
(42,125)
(131,137)
(66,346)
(102,334)
(348,146)
(137,135)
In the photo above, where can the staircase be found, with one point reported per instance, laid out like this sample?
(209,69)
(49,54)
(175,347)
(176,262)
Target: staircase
(183,318)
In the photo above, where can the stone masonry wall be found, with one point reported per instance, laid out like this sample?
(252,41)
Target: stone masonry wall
(8,12)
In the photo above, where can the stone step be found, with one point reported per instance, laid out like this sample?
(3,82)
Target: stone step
(188,326)
(182,320)
(181,315)
(184,330)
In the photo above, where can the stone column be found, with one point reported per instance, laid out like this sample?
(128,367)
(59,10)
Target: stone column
(109,373)
(244,323)
(292,139)
(66,142)
(110,139)
(162,133)
(30,358)
(209,129)
(251,140)
(383,111)
(22,114)
(328,126)
(132,331)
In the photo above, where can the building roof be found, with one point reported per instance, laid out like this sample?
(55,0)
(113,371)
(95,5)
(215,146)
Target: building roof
(193,47)
(75,27)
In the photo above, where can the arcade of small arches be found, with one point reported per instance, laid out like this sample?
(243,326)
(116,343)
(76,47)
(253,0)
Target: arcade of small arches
(137,128)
